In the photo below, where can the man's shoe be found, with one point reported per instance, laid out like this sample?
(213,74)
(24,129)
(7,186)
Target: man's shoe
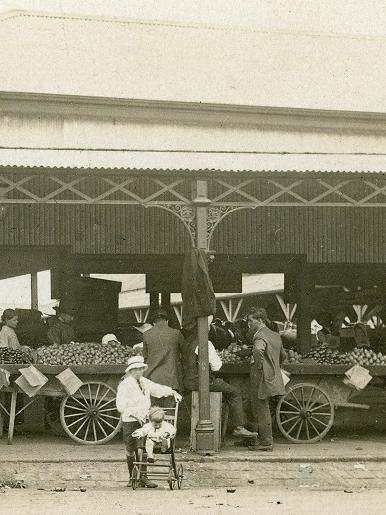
(243,433)
(150,460)
(261,448)
(146,483)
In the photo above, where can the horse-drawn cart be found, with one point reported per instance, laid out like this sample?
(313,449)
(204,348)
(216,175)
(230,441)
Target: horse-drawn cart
(88,416)
(306,413)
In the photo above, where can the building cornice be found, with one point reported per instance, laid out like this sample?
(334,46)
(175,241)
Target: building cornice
(196,113)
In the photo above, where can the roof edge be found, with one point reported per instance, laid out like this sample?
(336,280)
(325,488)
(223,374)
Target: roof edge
(27,101)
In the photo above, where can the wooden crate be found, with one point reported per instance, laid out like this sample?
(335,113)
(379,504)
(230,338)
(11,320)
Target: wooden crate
(215,415)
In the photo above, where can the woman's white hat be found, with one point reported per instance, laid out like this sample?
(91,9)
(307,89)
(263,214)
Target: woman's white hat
(109,338)
(135,362)
(143,328)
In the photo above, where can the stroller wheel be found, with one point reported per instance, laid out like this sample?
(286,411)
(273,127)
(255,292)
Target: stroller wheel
(135,477)
(171,479)
(180,476)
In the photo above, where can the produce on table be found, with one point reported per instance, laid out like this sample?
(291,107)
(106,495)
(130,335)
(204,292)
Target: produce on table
(293,357)
(326,356)
(361,356)
(238,355)
(85,354)
(8,356)
(366,357)
(230,355)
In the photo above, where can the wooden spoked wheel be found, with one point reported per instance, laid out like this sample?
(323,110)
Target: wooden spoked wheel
(305,414)
(180,476)
(135,477)
(171,479)
(90,416)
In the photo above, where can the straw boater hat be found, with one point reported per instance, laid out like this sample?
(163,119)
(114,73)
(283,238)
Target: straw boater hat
(135,362)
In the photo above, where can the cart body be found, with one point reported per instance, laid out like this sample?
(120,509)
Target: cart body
(89,416)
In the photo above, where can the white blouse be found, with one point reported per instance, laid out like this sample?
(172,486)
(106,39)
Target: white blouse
(8,338)
(133,397)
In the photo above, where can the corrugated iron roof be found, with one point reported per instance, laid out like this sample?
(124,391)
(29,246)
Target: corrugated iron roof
(120,58)
(191,161)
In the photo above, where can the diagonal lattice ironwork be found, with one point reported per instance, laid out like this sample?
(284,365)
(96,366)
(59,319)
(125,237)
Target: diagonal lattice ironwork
(286,194)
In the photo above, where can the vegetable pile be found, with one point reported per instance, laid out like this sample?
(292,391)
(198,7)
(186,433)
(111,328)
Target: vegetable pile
(322,355)
(293,357)
(325,356)
(85,354)
(230,356)
(8,356)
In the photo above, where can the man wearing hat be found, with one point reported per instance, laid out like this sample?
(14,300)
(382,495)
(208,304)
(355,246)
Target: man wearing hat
(60,330)
(265,375)
(133,402)
(162,350)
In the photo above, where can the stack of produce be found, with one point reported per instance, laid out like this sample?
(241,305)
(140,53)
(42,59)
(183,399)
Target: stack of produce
(85,354)
(293,357)
(325,356)
(8,356)
(366,357)
(233,355)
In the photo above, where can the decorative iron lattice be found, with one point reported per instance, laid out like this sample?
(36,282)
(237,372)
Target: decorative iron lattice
(174,194)
(315,192)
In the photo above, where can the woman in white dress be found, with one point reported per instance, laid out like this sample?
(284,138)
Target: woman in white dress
(8,336)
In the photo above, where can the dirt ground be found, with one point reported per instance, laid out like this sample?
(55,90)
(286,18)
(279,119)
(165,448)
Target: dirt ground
(250,500)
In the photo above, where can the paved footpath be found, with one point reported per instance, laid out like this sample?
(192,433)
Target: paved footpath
(48,462)
(247,500)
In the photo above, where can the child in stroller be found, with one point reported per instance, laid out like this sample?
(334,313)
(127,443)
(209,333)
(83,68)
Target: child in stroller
(157,431)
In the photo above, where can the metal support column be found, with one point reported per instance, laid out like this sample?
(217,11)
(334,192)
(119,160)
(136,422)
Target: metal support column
(304,311)
(154,302)
(165,300)
(34,291)
(204,428)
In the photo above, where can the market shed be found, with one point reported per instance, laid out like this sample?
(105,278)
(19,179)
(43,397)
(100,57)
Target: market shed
(112,163)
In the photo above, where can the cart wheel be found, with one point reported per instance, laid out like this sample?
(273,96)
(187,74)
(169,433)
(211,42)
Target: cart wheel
(135,477)
(305,414)
(89,416)
(180,476)
(171,479)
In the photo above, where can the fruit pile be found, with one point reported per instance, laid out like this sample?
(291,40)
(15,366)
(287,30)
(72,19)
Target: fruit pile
(362,356)
(233,355)
(8,356)
(293,357)
(325,356)
(85,354)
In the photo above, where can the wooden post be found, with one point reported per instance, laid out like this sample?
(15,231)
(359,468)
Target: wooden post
(34,291)
(165,300)
(154,302)
(303,311)
(204,428)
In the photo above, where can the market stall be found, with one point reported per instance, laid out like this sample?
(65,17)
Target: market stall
(318,384)
(83,376)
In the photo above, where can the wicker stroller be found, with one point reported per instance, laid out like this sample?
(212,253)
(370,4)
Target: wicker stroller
(166,467)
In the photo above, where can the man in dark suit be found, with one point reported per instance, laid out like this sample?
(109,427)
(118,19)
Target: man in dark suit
(162,352)
(266,378)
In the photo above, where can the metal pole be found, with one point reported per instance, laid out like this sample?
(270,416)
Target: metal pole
(154,301)
(204,428)
(34,291)
(303,311)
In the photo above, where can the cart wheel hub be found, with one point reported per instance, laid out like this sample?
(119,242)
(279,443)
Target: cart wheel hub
(93,413)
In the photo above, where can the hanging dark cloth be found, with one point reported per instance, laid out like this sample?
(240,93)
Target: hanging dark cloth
(197,291)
